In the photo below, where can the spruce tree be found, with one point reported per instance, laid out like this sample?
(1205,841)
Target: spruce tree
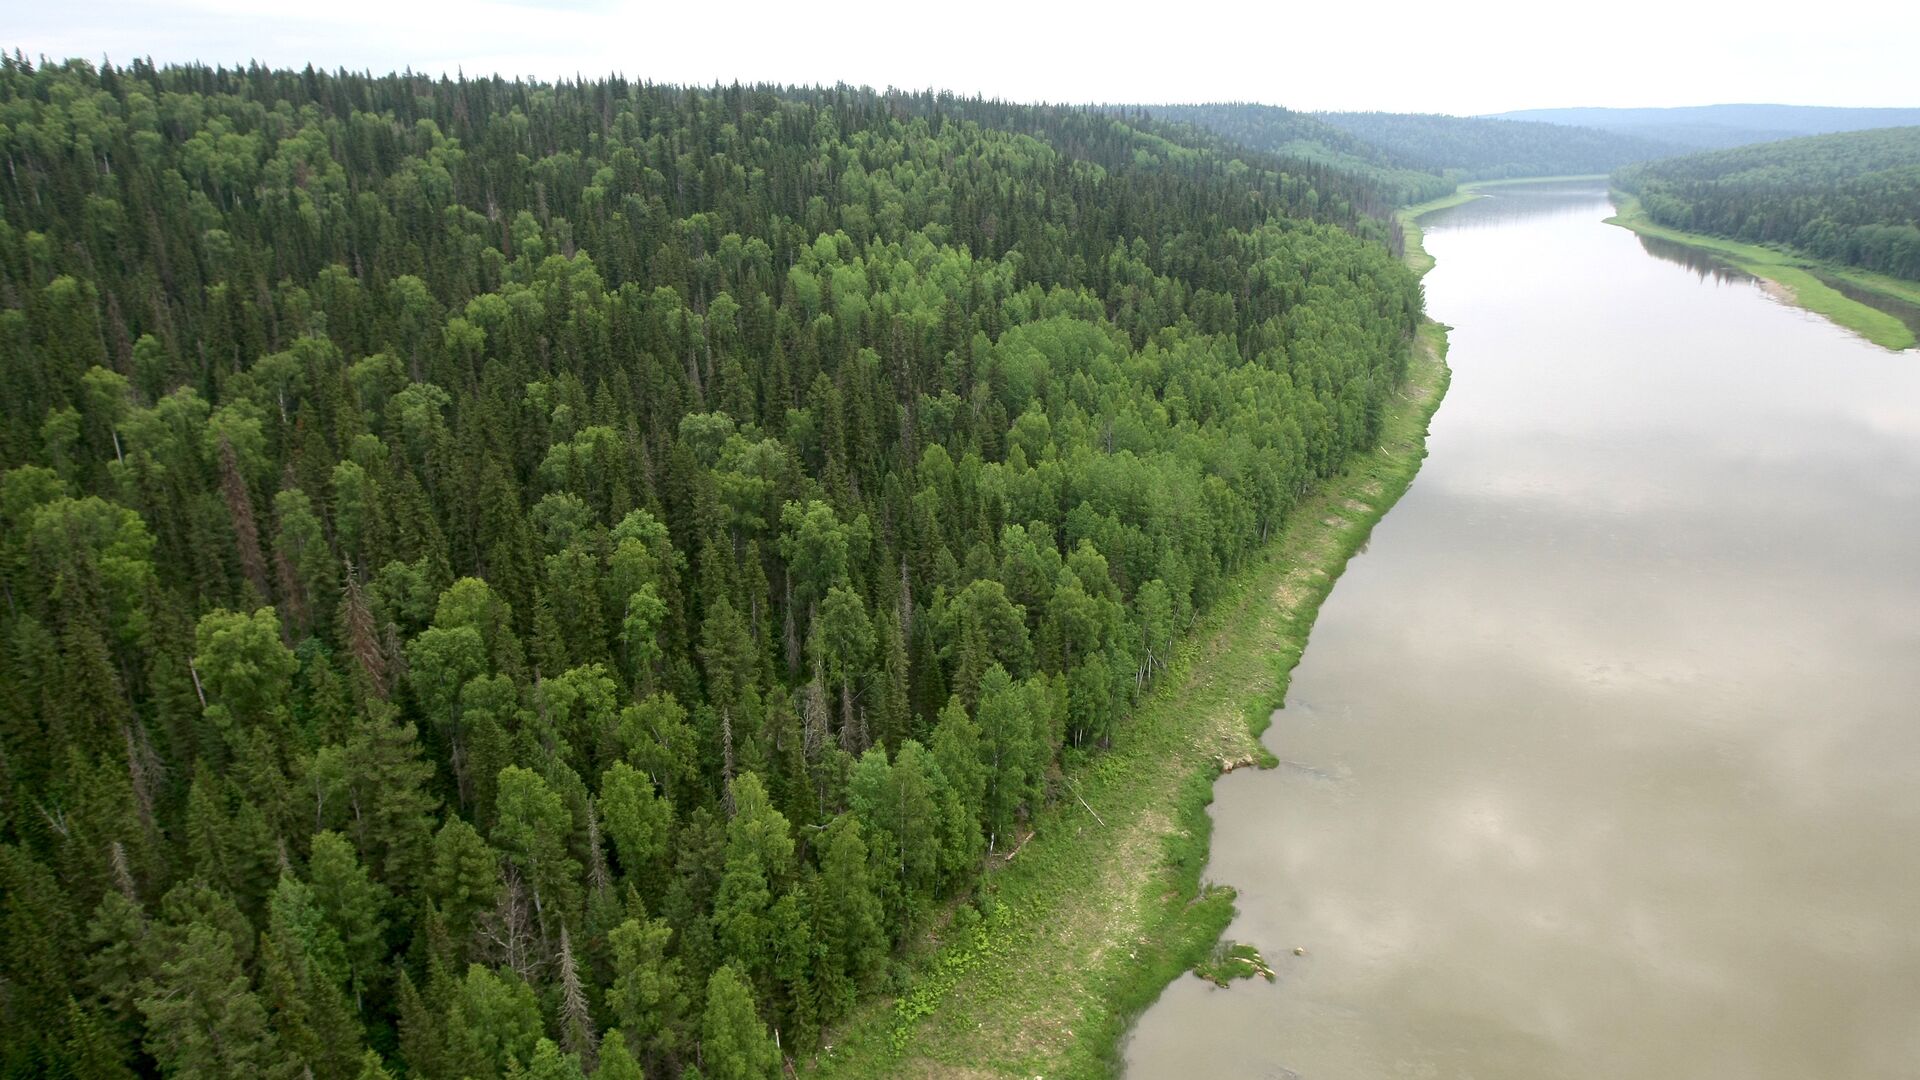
(734,1043)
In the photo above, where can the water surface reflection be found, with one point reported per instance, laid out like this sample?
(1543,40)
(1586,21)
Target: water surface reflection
(1605,748)
(1703,264)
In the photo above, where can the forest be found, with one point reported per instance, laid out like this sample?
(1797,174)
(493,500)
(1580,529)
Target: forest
(1690,128)
(1275,130)
(1850,198)
(511,579)
(1413,156)
(1479,148)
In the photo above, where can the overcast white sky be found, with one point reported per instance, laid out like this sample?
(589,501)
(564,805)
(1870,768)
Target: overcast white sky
(1478,56)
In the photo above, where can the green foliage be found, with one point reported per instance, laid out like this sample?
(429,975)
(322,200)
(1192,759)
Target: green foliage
(734,1044)
(1232,960)
(636,819)
(465,877)
(202,1018)
(493,561)
(532,831)
(1851,198)
(847,916)
(1037,984)
(548,1064)
(243,665)
(1483,148)
(352,905)
(759,864)
(648,995)
(305,970)
(1274,130)
(493,1024)
(616,1063)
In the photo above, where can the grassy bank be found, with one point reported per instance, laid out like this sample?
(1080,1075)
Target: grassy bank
(1798,275)
(1408,217)
(1103,908)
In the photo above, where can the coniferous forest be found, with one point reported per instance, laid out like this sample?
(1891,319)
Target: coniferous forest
(513,579)
(1851,197)
(1418,156)
(1487,148)
(1277,130)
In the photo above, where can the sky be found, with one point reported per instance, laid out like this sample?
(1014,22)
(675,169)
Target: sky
(1393,55)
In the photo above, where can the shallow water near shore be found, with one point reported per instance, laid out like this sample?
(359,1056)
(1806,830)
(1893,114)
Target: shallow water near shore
(1602,759)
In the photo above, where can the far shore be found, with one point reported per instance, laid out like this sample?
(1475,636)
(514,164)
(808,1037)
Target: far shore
(1794,278)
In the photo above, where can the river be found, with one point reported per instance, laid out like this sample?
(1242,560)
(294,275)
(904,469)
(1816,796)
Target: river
(1604,758)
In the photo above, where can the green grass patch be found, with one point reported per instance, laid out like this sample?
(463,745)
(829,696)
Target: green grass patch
(1413,249)
(1233,960)
(1797,275)
(1898,288)
(1070,939)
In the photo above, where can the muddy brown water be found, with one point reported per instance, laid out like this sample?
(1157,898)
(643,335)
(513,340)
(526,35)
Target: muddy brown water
(1604,758)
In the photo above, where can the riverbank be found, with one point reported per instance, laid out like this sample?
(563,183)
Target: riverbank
(1092,918)
(1414,251)
(1798,276)
(1415,254)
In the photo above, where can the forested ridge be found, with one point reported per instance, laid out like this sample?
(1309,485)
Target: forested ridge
(1481,148)
(1275,130)
(510,579)
(1415,156)
(1719,127)
(1851,198)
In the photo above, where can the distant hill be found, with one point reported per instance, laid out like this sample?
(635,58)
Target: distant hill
(1851,197)
(1273,130)
(1477,148)
(1717,127)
